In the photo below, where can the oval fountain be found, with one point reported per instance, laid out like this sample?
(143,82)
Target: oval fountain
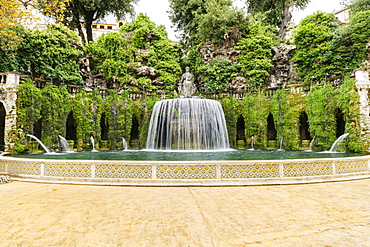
(187,146)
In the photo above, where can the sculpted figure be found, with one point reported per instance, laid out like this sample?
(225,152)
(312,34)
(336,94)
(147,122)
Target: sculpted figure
(186,85)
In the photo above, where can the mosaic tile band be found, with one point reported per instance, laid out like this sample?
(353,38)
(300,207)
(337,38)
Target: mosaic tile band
(209,170)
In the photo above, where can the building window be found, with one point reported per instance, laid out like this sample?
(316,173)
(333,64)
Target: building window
(101,27)
(109,27)
(93,26)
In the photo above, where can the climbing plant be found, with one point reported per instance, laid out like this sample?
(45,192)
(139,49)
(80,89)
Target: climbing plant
(139,56)
(231,111)
(55,107)
(321,106)
(255,110)
(87,111)
(118,110)
(349,104)
(286,111)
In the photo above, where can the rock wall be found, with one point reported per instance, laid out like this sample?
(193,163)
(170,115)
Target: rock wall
(8,95)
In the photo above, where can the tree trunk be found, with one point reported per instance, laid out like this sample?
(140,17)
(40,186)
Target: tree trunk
(287,16)
(88,25)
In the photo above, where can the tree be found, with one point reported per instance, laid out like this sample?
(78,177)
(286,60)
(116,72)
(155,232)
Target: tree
(202,20)
(85,12)
(278,12)
(313,38)
(14,14)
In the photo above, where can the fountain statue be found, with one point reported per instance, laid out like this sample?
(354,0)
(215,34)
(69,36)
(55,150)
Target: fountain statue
(186,85)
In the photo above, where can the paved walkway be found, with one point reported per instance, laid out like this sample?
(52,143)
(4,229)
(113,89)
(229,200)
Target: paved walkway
(325,214)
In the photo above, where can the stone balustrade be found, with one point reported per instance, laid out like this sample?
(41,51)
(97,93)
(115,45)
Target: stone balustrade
(166,173)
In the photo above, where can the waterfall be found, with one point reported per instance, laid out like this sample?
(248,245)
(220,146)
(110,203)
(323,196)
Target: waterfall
(40,142)
(124,144)
(312,142)
(64,143)
(337,142)
(93,144)
(281,144)
(187,124)
(252,143)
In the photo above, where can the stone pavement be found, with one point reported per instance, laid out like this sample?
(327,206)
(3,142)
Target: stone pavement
(323,214)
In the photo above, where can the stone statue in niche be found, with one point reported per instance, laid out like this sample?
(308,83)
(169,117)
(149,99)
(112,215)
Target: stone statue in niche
(186,85)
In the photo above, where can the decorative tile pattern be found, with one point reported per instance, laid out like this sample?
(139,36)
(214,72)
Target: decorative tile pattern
(352,166)
(124,171)
(2,167)
(67,170)
(250,171)
(25,168)
(307,169)
(186,172)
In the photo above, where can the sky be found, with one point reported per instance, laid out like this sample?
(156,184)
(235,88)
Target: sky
(157,11)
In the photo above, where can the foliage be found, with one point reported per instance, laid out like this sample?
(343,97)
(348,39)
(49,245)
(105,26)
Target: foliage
(28,107)
(321,106)
(54,51)
(255,110)
(55,107)
(139,43)
(145,112)
(312,39)
(218,74)
(200,20)
(118,110)
(14,14)
(358,6)
(349,104)
(231,111)
(85,12)
(256,55)
(277,12)
(286,111)
(87,111)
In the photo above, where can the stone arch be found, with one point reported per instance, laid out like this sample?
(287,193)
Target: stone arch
(304,127)
(341,124)
(271,130)
(135,132)
(2,126)
(71,131)
(104,127)
(240,131)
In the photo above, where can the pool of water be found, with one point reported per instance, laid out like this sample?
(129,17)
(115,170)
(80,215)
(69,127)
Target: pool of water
(147,155)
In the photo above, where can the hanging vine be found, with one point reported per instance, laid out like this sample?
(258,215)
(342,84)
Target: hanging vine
(55,107)
(255,110)
(87,110)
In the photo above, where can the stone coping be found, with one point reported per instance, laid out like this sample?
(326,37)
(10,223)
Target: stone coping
(186,173)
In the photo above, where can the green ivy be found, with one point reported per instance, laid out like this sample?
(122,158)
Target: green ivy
(55,107)
(119,112)
(321,106)
(255,110)
(231,111)
(349,104)
(87,111)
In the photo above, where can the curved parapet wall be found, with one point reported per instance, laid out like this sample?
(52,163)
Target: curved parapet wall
(186,173)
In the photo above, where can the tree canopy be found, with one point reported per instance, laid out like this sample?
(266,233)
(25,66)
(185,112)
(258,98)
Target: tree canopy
(82,13)
(278,12)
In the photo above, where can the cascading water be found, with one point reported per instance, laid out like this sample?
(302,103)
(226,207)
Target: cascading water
(40,142)
(64,143)
(187,124)
(337,142)
(124,144)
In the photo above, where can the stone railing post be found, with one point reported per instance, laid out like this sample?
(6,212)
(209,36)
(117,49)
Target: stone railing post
(363,86)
